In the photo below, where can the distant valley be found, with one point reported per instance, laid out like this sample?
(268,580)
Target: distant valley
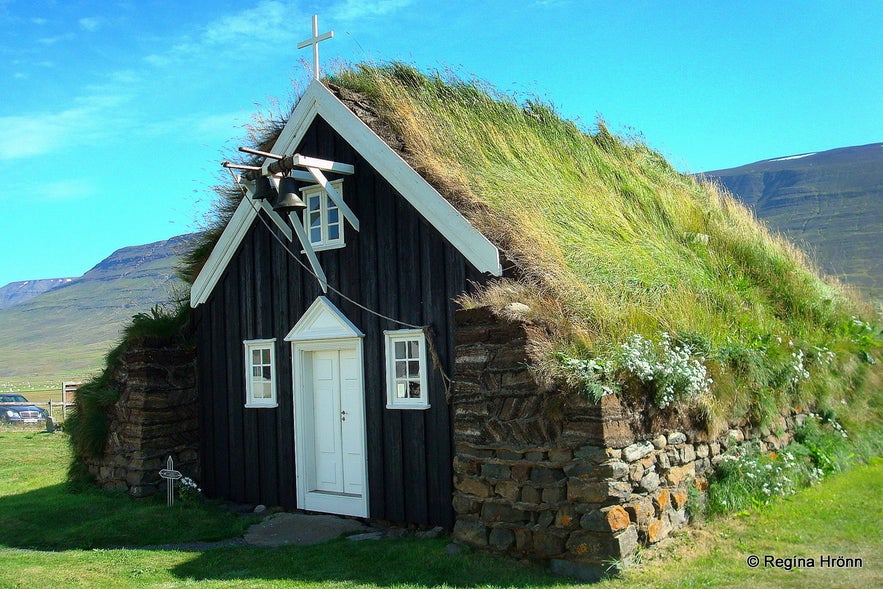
(61,328)
(829,203)
(15,293)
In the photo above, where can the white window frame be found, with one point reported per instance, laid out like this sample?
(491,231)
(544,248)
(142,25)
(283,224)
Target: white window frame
(392,337)
(250,400)
(324,201)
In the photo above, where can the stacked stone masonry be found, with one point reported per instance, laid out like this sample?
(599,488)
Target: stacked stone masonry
(155,417)
(543,473)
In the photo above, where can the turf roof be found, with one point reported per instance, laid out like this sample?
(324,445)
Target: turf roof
(606,240)
(602,228)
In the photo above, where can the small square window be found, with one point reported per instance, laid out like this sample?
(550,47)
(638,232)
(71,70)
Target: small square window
(406,370)
(260,373)
(322,217)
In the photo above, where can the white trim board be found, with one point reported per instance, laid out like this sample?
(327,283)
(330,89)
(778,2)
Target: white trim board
(222,253)
(319,101)
(323,321)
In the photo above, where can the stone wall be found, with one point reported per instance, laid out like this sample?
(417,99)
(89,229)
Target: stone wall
(543,473)
(155,417)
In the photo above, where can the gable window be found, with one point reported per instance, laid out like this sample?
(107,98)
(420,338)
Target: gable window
(406,370)
(322,218)
(260,373)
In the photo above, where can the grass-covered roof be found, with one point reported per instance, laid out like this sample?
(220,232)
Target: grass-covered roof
(605,225)
(608,241)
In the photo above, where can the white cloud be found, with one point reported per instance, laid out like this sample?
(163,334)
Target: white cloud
(91,118)
(351,10)
(32,135)
(211,127)
(246,35)
(55,39)
(265,22)
(39,21)
(100,112)
(90,23)
(221,125)
(69,189)
(267,28)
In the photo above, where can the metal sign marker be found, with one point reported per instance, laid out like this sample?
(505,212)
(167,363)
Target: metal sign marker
(171,475)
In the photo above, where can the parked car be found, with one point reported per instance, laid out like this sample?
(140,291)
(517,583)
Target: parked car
(14,408)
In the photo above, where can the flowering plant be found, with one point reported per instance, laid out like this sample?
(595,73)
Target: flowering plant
(671,369)
(593,376)
(764,475)
(188,490)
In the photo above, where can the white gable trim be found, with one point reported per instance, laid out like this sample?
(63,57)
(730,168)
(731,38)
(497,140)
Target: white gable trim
(323,321)
(318,100)
(222,253)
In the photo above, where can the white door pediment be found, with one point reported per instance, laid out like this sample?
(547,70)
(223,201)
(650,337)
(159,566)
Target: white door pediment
(323,321)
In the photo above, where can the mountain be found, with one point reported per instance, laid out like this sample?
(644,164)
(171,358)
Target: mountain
(18,292)
(830,203)
(64,332)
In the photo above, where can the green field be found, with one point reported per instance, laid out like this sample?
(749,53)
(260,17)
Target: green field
(52,538)
(63,334)
(41,394)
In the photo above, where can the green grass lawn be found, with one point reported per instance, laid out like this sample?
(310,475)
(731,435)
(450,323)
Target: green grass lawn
(38,511)
(49,538)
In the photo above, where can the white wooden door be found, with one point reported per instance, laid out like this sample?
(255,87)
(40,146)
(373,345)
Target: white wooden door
(337,422)
(327,421)
(352,423)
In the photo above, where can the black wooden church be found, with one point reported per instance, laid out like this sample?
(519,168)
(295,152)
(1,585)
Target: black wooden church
(324,326)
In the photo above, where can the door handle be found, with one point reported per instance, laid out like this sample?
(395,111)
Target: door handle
(343,415)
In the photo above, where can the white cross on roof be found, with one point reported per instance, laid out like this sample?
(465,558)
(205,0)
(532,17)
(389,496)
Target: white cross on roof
(314,41)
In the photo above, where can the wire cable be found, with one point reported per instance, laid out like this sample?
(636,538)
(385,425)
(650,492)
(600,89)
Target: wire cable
(428,334)
(310,270)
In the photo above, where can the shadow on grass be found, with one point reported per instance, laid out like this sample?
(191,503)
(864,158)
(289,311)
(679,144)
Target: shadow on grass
(52,518)
(382,563)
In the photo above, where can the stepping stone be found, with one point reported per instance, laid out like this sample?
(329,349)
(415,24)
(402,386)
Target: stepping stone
(300,529)
(366,536)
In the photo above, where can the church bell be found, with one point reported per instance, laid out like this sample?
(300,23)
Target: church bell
(289,201)
(263,189)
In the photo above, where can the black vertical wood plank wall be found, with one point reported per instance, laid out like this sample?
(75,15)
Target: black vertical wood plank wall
(398,265)
(374,370)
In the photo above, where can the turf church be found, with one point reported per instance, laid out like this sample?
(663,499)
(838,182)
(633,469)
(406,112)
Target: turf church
(324,325)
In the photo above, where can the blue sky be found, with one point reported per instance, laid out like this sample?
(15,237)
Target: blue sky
(114,115)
